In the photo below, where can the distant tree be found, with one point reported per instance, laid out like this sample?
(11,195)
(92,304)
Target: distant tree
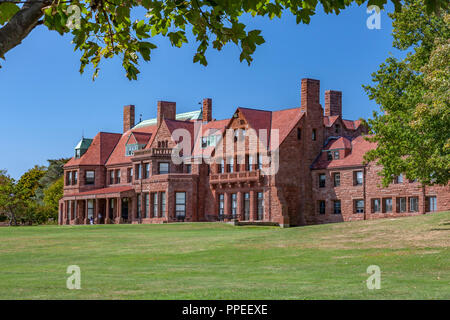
(413,131)
(52,195)
(54,172)
(29,182)
(107,28)
(12,203)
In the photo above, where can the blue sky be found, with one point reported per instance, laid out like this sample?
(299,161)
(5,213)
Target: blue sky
(46,104)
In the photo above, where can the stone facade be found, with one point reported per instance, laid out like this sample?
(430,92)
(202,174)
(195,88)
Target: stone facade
(320,177)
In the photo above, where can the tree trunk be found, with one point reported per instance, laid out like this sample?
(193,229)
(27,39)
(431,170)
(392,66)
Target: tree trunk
(21,24)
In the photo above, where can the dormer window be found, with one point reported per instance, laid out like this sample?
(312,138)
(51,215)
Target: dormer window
(131,148)
(82,147)
(337,128)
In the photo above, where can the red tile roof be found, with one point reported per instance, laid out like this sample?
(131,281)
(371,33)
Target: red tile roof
(285,120)
(118,155)
(359,147)
(98,152)
(341,143)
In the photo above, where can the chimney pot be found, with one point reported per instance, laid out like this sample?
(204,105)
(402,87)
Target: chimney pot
(128,117)
(207,110)
(166,110)
(333,103)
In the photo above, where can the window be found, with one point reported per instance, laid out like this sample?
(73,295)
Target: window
(401,204)
(231,165)
(431,204)
(204,142)
(357,178)
(188,168)
(155,204)
(337,179)
(146,204)
(321,206)
(299,134)
(250,163)
(118,176)
(247,206)
(260,204)
(130,175)
(387,205)
(90,177)
(90,209)
(222,166)
(111,176)
(146,170)
(75,177)
(337,128)
(322,179)
(139,205)
(260,161)
(314,135)
(163,204)
(138,171)
(359,206)
(376,205)
(337,206)
(69,178)
(180,205)
(77,153)
(234,205)
(399,179)
(413,204)
(221,204)
(163,168)
(336,155)
(329,156)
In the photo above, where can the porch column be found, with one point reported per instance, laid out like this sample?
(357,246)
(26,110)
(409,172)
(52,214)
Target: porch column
(118,210)
(107,220)
(252,205)
(96,208)
(240,211)
(86,211)
(133,208)
(73,212)
(226,207)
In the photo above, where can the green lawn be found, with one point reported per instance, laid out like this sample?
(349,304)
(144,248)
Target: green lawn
(220,261)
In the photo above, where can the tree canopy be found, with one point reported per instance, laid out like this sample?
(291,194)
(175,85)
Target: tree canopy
(102,29)
(413,130)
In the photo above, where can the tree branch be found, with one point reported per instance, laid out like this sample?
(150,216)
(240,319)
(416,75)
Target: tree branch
(21,24)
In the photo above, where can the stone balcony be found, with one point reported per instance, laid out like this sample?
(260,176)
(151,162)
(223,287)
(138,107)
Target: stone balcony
(158,152)
(233,177)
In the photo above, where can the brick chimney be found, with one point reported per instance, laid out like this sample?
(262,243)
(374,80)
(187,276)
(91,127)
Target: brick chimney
(310,94)
(128,117)
(207,110)
(333,103)
(166,110)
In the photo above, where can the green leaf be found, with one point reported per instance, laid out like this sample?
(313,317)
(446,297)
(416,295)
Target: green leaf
(7,11)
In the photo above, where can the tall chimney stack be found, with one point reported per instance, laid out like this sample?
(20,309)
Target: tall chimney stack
(333,103)
(128,117)
(166,110)
(207,110)
(310,94)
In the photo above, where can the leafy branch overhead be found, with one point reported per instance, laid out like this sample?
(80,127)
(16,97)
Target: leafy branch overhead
(107,28)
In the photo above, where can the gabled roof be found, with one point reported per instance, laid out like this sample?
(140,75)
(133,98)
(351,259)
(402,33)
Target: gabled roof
(328,121)
(285,120)
(339,143)
(98,152)
(359,147)
(118,155)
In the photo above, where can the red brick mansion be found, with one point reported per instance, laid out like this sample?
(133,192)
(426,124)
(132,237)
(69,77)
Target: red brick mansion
(223,175)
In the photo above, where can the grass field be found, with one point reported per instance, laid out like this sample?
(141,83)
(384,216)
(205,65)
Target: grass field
(219,261)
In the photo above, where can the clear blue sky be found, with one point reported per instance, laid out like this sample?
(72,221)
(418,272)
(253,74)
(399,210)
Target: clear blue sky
(46,104)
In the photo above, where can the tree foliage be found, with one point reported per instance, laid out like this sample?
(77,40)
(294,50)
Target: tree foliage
(125,28)
(413,131)
(55,171)
(52,195)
